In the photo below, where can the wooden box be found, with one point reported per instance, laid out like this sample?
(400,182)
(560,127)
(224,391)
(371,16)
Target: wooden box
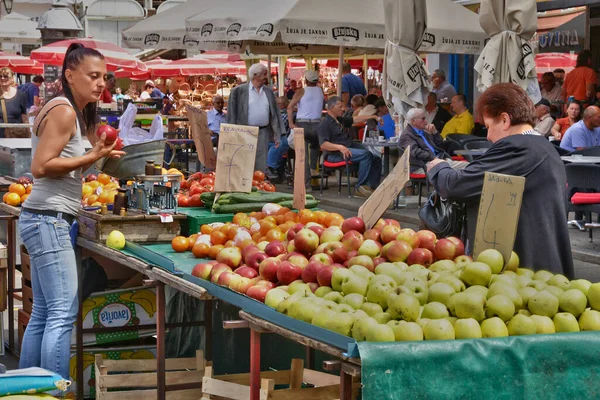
(137,379)
(22,321)
(27,295)
(25,263)
(3,277)
(136,226)
(237,386)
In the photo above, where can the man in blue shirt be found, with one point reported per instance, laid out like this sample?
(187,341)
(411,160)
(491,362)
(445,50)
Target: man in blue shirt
(585,133)
(351,84)
(424,146)
(32,89)
(216,116)
(388,127)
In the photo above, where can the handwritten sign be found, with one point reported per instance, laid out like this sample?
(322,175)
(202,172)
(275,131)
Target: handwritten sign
(299,168)
(236,156)
(201,136)
(390,188)
(498,216)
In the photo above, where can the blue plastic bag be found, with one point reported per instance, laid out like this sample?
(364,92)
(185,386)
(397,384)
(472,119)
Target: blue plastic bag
(30,381)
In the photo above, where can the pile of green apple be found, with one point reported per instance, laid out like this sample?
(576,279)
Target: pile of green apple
(450,299)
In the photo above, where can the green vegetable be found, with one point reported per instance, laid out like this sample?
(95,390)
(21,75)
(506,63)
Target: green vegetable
(254,197)
(236,208)
(310,203)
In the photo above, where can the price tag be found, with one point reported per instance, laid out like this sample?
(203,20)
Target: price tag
(201,136)
(165,218)
(237,153)
(299,165)
(498,215)
(390,188)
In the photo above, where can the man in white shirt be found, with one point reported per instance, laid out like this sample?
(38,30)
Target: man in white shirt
(544,119)
(215,117)
(550,89)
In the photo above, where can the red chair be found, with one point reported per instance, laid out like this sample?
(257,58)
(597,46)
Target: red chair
(336,166)
(419,180)
(584,177)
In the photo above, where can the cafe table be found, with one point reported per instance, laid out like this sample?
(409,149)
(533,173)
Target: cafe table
(579,159)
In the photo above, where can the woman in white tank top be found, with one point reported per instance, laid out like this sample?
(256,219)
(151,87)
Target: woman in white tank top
(48,213)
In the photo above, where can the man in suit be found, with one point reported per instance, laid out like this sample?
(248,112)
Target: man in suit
(254,104)
(424,146)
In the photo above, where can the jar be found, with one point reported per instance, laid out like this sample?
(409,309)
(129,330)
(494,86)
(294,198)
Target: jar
(120,201)
(157,170)
(149,168)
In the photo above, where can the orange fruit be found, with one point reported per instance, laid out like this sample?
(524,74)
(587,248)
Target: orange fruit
(163,171)
(238,218)
(96,204)
(17,188)
(229,243)
(260,215)
(91,198)
(214,250)
(266,226)
(282,211)
(274,234)
(245,243)
(192,241)
(256,236)
(225,228)
(180,244)
(103,197)
(86,189)
(111,197)
(232,232)
(270,218)
(28,189)
(337,220)
(206,229)
(321,216)
(218,237)
(200,250)
(13,199)
(24,197)
(4,197)
(103,179)
(291,216)
(94,184)
(307,216)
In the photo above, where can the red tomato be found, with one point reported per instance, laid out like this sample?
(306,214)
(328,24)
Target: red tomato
(195,201)
(268,187)
(255,183)
(210,174)
(183,184)
(209,188)
(183,200)
(207,181)
(196,189)
(119,144)
(259,176)
(195,176)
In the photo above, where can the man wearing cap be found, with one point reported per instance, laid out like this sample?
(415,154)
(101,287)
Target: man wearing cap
(156,93)
(309,100)
(544,119)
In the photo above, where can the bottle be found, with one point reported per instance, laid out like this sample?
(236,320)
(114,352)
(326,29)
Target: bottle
(120,201)
(149,169)
(157,169)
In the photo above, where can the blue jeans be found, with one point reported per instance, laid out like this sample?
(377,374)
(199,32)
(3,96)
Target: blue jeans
(275,155)
(47,339)
(369,166)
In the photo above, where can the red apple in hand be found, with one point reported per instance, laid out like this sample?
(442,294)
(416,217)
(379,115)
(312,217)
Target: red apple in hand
(119,144)
(111,133)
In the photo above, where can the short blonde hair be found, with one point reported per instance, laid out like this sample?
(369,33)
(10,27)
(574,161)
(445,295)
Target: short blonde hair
(7,70)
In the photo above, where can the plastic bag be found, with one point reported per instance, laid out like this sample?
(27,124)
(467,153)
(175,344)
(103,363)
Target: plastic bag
(290,140)
(31,380)
(134,135)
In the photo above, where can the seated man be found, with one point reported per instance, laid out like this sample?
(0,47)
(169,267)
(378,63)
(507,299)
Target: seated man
(275,166)
(544,122)
(424,146)
(438,116)
(216,116)
(333,139)
(462,122)
(585,133)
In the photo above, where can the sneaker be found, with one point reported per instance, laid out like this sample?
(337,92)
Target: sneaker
(366,189)
(578,224)
(362,192)
(271,173)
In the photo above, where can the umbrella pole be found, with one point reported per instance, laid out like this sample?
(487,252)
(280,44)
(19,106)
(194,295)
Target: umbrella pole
(281,75)
(269,69)
(365,75)
(339,80)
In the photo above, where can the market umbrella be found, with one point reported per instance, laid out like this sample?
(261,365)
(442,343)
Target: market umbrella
(405,77)
(20,64)
(114,56)
(198,65)
(139,75)
(17,28)
(508,56)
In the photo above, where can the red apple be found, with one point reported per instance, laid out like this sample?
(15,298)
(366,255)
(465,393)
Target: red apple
(460,246)
(378,260)
(306,241)
(291,233)
(288,273)
(399,251)
(336,251)
(352,240)
(258,292)
(259,281)
(420,256)
(225,278)
(389,233)
(380,224)
(217,270)
(353,224)
(119,144)
(248,250)
(291,247)
(409,236)
(390,221)
(352,254)
(231,256)
(275,248)
(240,284)
(427,239)
(255,259)
(309,273)
(213,262)
(332,234)
(246,272)
(202,270)
(372,234)
(324,275)
(316,228)
(323,258)
(111,133)
(298,260)
(268,269)
(445,250)
(313,286)
(365,261)
(91,177)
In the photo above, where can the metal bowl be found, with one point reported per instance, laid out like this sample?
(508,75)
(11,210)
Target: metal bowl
(133,163)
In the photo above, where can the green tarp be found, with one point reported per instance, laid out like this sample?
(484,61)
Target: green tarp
(558,366)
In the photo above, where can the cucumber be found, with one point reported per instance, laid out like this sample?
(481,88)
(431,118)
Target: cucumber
(255,197)
(238,207)
(310,203)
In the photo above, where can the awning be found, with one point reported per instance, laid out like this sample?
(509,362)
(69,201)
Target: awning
(569,37)
(17,28)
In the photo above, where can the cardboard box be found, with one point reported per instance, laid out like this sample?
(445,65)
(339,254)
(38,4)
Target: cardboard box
(116,353)
(118,308)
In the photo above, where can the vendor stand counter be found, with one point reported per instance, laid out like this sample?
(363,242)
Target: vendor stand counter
(11,215)
(15,156)
(198,216)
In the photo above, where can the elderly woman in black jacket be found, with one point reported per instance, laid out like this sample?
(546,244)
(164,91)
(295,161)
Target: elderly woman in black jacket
(424,146)
(542,240)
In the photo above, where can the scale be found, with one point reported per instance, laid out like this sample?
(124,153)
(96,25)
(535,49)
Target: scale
(152,195)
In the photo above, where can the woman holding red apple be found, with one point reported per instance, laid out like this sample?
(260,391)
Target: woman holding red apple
(45,223)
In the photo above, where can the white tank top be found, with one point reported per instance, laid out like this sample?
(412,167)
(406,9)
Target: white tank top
(62,194)
(310,105)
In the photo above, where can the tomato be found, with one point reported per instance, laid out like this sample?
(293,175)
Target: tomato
(258,176)
(200,250)
(255,183)
(209,188)
(183,200)
(180,243)
(268,187)
(210,174)
(195,176)
(197,189)
(195,201)
(183,184)
(17,188)
(207,181)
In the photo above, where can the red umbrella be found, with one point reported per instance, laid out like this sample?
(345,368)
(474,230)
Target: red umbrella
(141,75)
(114,56)
(20,64)
(357,64)
(548,62)
(199,65)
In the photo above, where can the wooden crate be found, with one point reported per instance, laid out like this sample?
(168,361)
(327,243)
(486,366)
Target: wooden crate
(237,386)
(27,295)
(3,278)
(22,321)
(137,378)
(25,263)
(136,226)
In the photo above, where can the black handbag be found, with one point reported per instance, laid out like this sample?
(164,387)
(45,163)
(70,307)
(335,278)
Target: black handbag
(443,217)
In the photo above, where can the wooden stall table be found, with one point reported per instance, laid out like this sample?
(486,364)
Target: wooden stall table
(12,214)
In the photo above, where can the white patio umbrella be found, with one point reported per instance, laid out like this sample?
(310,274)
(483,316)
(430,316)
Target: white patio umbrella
(508,57)
(17,28)
(405,77)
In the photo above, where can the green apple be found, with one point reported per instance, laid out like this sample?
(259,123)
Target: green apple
(322,291)
(521,325)
(418,287)
(435,310)
(336,297)
(298,286)
(358,314)
(527,293)
(559,280)
(284,306)
(383,317)
(304,309)
(354,284)
(513,262)
(572,301)
(493,327)
(354,300)
(478,289)
(524,312)
(391,270)
(543,324)
(508,290)
(360,326)
(443,266)
(405,306)
(380,333)
(433,277)
(525,272)
(338,277)
(537,285)
(422,322)
(469,305)
(330,305)
(543,303)
(379,289)
(401,265)
(115,240)
(275,296)
(493,258)
(467,328)
(341,323)
(361,271)
(593,296)
(439,329)
(452,320)
(406,331)
(440,292)
(542,275)
(451,280)
(581,284)
(502,278)
(555,290)
(522,280)
(322,318)
(344,308)
(371,308)
(589,320)
(565,322)
(500,306)
(476,273)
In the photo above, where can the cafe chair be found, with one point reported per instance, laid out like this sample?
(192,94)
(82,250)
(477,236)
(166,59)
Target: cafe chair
(328,166)
(590,152)
(586,179)
(456,141)
(474,145)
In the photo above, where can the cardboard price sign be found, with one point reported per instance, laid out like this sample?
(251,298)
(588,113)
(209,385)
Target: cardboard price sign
(390,188)
(201,136)
(299,178)
(498,215)
(236,156)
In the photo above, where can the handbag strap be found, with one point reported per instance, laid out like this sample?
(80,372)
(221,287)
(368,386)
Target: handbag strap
(4,112)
